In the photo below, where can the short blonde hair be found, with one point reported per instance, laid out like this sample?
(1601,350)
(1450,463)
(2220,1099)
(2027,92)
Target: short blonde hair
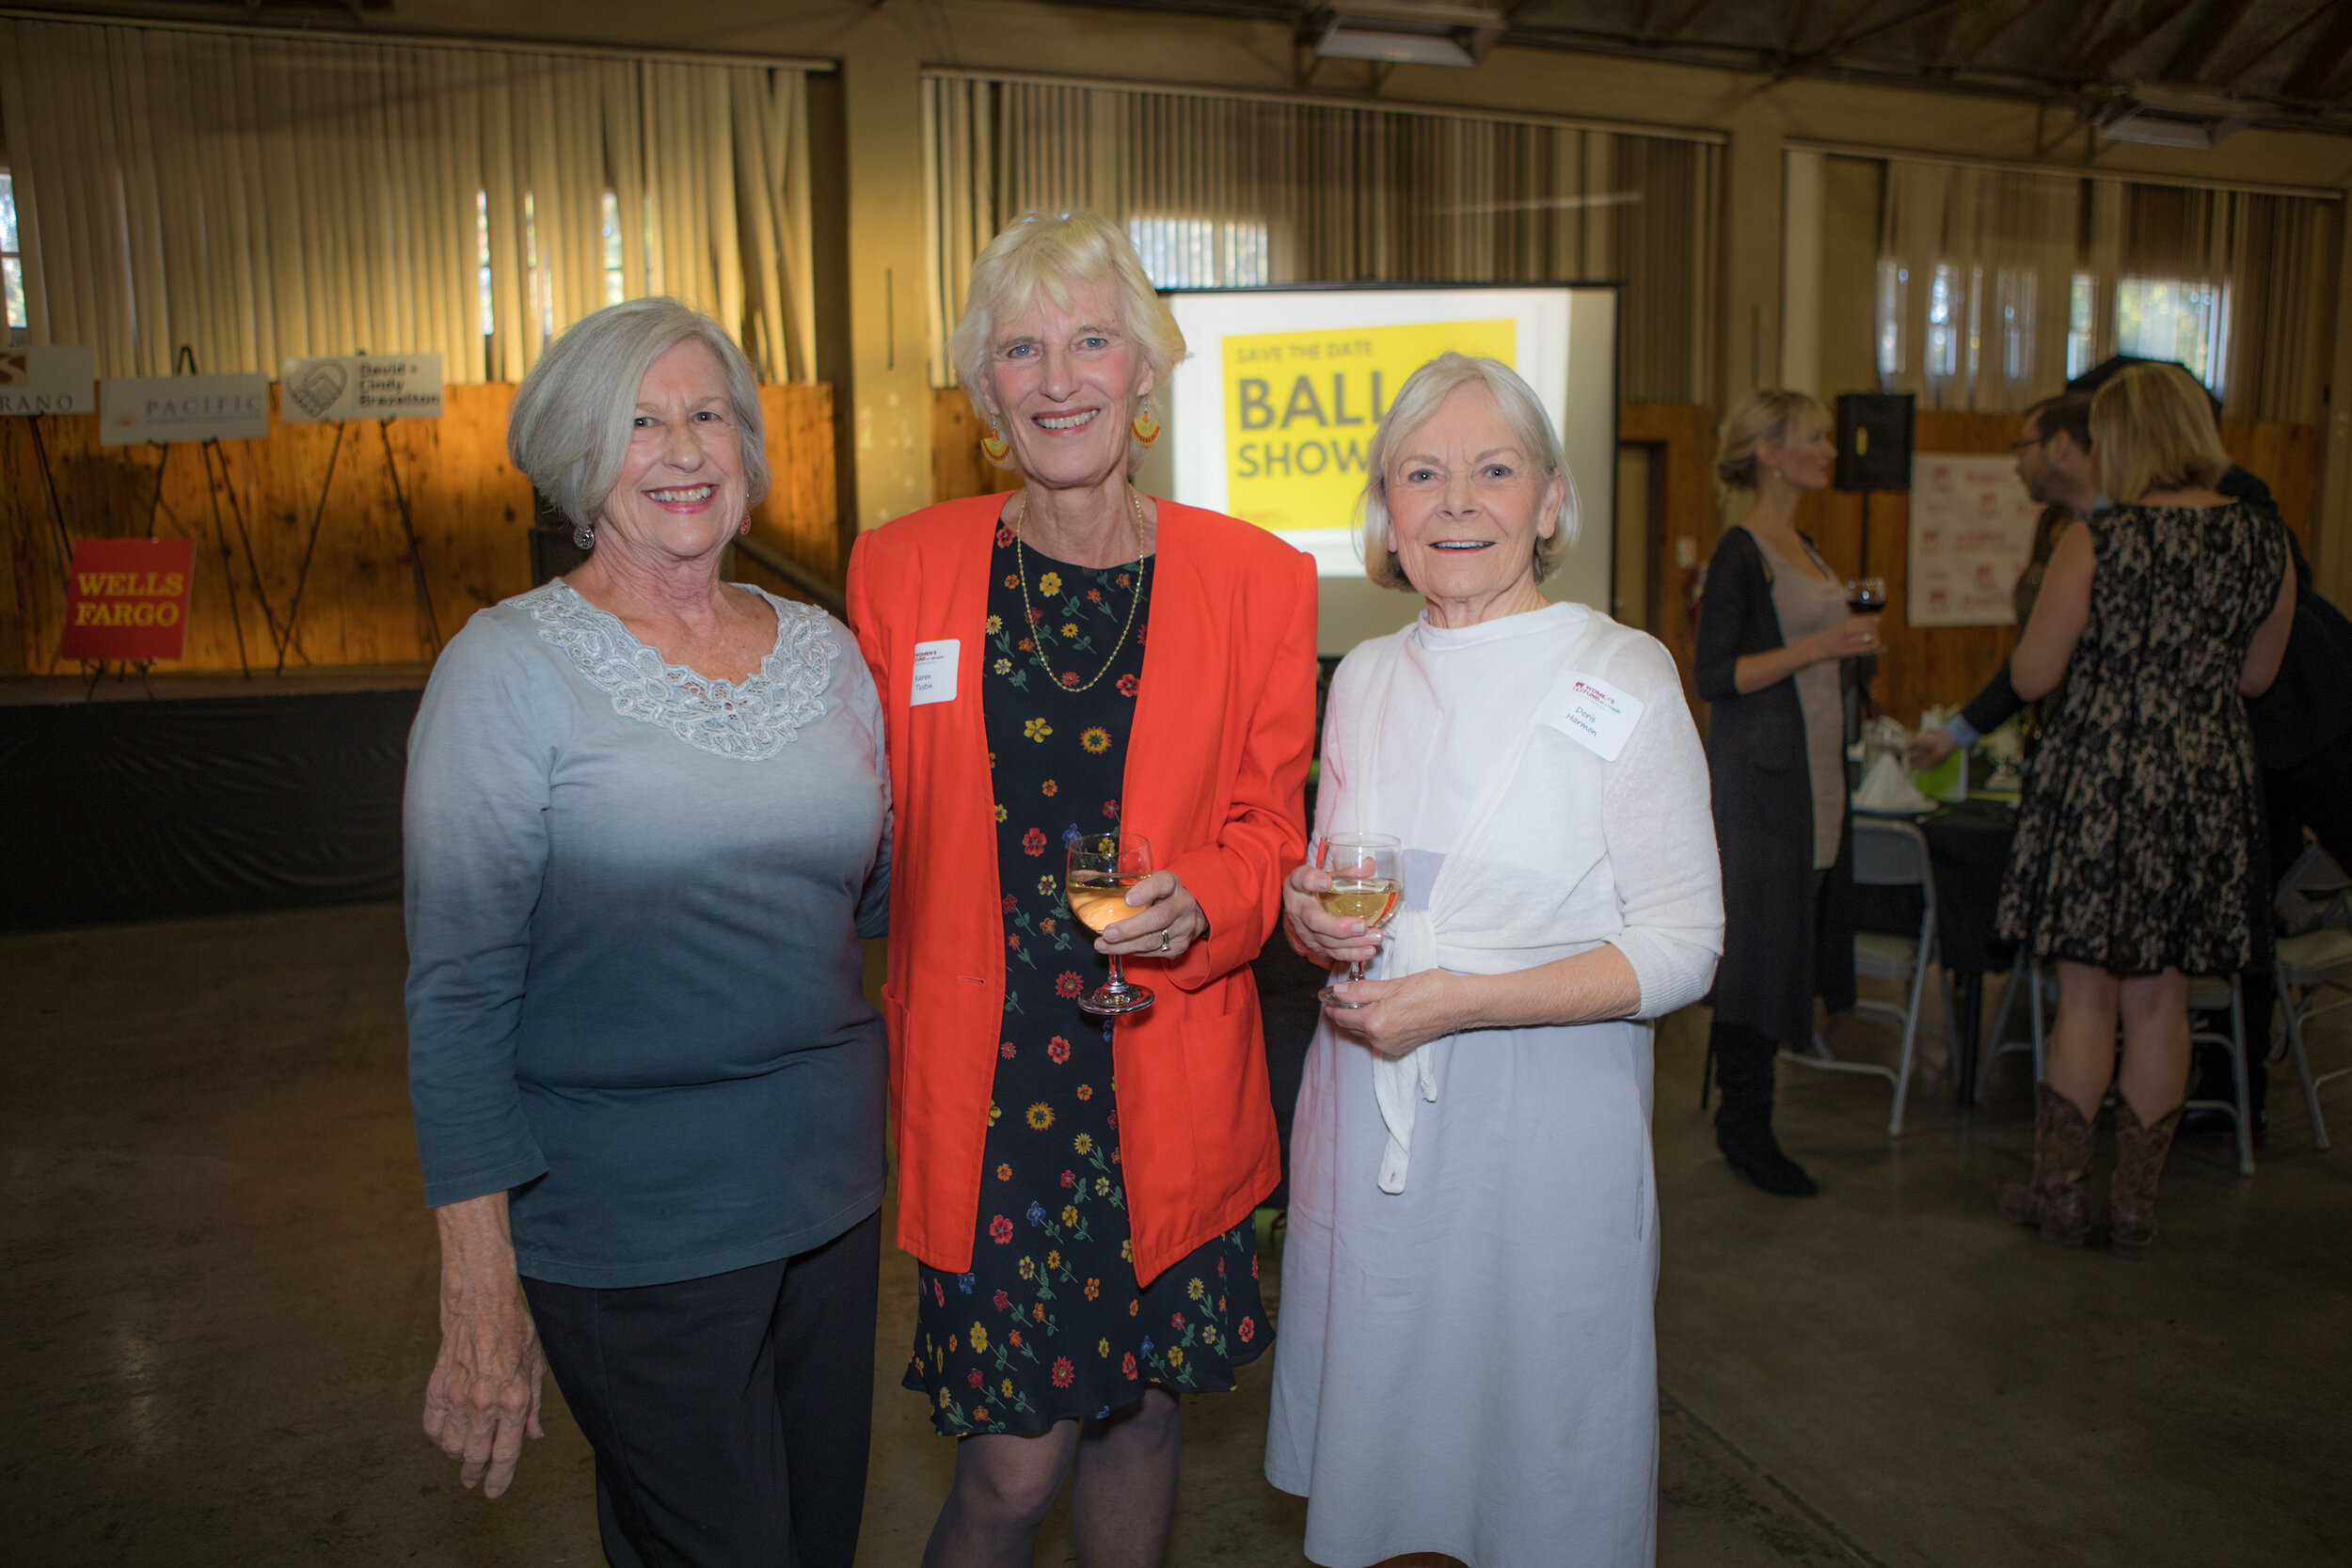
(2151,429)
(1056,254)
(568,431)
(1417,402)
(1770,414)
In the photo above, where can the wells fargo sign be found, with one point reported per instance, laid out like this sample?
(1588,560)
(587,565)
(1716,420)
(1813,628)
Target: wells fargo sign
(128,599)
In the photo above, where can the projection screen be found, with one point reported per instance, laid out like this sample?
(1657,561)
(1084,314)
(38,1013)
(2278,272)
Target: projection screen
(1271,414)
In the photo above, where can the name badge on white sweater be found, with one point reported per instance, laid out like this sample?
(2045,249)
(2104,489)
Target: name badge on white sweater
(1598,714)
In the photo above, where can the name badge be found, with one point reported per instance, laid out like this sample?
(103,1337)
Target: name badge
(1598,715)
(934,672)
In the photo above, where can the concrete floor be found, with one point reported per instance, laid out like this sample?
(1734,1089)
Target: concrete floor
(220,1314)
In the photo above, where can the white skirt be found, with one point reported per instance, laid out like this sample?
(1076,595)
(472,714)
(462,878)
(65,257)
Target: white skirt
(1470,1366)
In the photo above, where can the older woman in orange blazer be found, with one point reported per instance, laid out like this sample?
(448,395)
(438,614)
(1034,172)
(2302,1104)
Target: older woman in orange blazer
(1065,661)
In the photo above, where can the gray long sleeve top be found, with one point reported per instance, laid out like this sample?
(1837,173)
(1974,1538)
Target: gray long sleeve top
(634,899)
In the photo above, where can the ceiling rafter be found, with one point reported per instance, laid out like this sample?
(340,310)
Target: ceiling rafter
(1888,29)
(2279,39)
(2124,36)
(1688,14)
(1998,31)
(2202,43)
(2308,79)
(2088,20)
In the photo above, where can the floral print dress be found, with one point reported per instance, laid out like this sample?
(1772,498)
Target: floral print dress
(1051,1323)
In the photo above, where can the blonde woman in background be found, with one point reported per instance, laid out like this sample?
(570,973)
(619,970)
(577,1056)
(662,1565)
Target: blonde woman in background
(1775,634)
(2135,865)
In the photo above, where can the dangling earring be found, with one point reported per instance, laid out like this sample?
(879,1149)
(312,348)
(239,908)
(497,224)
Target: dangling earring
(744,527)
(1147,429)
(585,536)
(994,447)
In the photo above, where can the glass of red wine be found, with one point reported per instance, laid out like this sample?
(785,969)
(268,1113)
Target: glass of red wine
(1865,595)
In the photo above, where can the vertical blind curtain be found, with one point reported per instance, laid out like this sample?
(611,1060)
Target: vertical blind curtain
(257,199)
(2014,242)
(1290,193)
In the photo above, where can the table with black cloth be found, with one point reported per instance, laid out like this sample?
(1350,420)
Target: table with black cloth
(1969,845)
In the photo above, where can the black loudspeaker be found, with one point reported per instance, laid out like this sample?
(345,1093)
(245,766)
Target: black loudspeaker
(1874,440)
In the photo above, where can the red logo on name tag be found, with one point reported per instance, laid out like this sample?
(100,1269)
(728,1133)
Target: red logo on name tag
(128,599)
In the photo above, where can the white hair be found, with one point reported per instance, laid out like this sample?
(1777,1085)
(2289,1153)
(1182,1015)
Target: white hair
(1417,402)
(569,429)
(1056,254)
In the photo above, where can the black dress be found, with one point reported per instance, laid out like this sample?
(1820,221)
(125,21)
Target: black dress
(2136,838)
(1051,1323)
(1788,930)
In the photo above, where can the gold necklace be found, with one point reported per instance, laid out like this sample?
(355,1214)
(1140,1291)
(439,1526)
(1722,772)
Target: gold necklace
(1037,626)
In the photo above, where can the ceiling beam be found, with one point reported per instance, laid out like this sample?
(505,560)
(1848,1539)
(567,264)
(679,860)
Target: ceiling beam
(1855,40)
(2126,36)
(2201,45)
(1998,31)
(2246,65)
(1688,14)
(2308,79)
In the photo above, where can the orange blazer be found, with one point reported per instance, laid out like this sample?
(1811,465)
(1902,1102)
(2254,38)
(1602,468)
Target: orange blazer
(1217,763)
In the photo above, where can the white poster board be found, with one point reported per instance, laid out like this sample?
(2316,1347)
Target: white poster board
(162,408)
(49,379)
(361,386)
(1971,534)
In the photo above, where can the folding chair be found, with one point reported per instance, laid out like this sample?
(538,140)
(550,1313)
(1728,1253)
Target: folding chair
(2307,965)
(2209,995)
(2040,989)
(1889,852)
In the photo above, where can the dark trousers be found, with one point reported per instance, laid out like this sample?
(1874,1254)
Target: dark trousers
(730,1415)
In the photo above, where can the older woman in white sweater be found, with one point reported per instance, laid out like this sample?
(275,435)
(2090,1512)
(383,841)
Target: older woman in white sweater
(1468,1359)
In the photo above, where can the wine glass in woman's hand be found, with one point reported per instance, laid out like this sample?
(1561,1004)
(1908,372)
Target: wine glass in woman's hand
(1366,885)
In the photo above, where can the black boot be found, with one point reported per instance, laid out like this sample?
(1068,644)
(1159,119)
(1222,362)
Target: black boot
(1743,1121)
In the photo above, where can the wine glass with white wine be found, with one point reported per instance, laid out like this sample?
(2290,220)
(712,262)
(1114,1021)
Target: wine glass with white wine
(1366,885)
(1100,870)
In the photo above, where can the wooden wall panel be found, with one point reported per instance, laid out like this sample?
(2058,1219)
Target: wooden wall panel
(359,602)
(958,468)
(1686,434)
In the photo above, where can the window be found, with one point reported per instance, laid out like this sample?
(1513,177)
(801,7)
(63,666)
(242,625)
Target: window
(1894,296)
(613,285)
(2163,318)
(1200,253)
(2082,330)
(2012,306)
(1944,304)
(12,263)
(482,258)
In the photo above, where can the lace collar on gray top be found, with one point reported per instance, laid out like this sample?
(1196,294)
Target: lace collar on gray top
(750,723)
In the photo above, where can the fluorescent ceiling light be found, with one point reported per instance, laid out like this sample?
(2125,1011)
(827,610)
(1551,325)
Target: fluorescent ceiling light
(1408,32)
(2156,116)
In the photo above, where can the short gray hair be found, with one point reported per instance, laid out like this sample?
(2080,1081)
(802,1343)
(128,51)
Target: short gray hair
(568,432)
(1417,402)
(1055,254)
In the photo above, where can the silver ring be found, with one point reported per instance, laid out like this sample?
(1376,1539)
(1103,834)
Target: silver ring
(1163,939)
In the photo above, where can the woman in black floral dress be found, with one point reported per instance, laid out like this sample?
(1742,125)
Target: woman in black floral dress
(1073,658)
(2135,866)
(1049,1324)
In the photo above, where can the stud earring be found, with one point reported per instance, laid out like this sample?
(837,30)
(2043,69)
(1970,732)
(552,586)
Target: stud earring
(1147,429)
(744,527)
(994,447)
(585,536)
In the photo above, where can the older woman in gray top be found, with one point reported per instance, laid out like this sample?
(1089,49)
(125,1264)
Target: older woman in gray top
(647,821)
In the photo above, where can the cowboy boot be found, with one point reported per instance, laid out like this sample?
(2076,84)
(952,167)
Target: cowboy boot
(2052,1201)
(2139,1151)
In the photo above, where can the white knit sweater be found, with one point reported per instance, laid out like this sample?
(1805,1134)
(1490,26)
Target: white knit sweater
(1562,849)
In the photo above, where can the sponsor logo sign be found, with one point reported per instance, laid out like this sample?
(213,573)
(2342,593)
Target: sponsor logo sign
(48,380)
(163,408)
(361,386)
(128,599)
